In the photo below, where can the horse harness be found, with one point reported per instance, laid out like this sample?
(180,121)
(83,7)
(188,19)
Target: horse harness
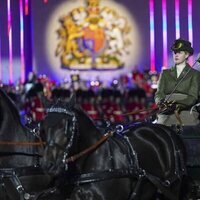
(134,171)
(10,176)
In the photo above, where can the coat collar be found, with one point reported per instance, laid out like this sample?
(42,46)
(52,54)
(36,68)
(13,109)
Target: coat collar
(173,72)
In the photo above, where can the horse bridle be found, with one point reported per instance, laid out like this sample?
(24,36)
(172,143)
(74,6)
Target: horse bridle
(72,131)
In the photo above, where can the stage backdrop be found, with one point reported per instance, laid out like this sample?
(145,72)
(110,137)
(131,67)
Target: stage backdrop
(98,39)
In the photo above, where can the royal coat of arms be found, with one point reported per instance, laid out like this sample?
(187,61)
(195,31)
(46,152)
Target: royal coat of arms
(93,37)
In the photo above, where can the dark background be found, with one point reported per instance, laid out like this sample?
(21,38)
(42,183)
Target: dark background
(35,25)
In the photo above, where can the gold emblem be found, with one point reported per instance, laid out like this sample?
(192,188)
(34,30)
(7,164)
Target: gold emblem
(92,37)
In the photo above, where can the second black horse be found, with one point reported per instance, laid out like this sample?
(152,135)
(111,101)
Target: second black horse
(139,162)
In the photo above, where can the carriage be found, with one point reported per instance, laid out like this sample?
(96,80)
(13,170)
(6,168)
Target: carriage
(191,138)
(80,161)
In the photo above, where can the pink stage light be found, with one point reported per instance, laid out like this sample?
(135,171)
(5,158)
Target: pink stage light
(22,41)
(190,28)
(0,61)
(177,18)
(9,18)
(164,25)
(45,1)
(152,36)
(26,7)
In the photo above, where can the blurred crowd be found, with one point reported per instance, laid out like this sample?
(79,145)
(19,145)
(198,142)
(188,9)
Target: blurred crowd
(118,102)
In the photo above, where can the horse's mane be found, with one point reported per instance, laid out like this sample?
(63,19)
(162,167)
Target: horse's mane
(81,113)
(7,103)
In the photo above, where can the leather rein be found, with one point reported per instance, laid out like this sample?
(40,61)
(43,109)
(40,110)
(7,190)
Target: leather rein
(91,148)
(152,111)
(22,143)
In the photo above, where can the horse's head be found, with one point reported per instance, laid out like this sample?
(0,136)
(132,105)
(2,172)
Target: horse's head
(59,129)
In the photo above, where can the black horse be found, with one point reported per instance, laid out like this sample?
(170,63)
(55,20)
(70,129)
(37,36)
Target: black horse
(21,150)
(133,162)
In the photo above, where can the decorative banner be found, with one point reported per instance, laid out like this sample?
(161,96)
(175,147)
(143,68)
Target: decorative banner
(93,37)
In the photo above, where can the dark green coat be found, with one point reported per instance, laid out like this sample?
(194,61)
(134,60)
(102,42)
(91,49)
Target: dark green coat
(189,86)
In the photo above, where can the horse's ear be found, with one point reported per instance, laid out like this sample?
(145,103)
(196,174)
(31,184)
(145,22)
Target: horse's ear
(72,100)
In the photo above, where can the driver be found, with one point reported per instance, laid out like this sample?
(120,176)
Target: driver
(179,88)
